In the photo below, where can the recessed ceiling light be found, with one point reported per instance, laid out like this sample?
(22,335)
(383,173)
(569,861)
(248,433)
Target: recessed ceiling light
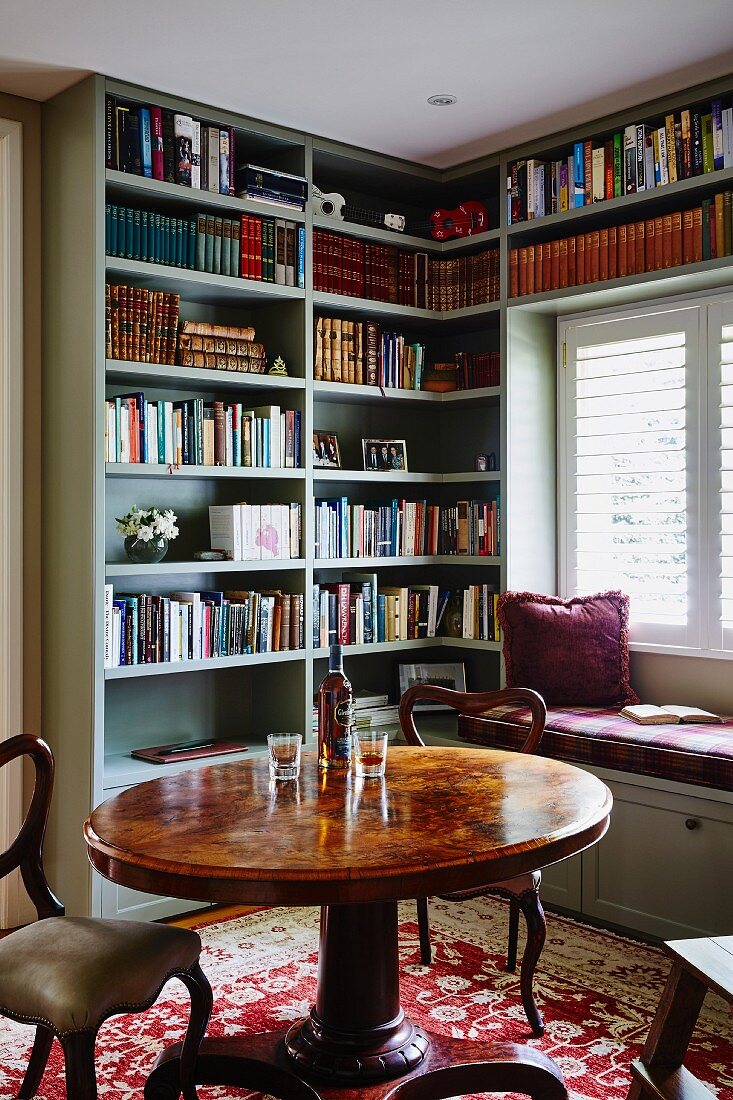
(442,100)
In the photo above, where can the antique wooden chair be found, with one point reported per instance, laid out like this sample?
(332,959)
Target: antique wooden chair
(67,975)
(523,891)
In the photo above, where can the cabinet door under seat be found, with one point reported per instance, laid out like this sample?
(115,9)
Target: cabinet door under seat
(665,866)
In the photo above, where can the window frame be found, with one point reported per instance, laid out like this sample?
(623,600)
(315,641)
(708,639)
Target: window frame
(702,387)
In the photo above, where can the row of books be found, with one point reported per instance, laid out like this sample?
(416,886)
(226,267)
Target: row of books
(477,369)
(479,620)
(142,629)
(401,528)
(692,142)
(161,144)
(359,611)
(272,250)
(195,432)
(384,273)
(256,532)
(140,325)
(361,353)
(174,147)
(135,234)
(652,244)
(464,281)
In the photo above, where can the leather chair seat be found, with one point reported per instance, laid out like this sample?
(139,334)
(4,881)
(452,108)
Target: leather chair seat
(70,973)
(516,886)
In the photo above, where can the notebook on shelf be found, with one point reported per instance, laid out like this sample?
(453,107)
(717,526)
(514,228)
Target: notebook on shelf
(669,714)
(186,750)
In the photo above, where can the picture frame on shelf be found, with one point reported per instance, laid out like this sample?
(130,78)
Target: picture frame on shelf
(326,451)
(384,455)
(485,462)
(449,674)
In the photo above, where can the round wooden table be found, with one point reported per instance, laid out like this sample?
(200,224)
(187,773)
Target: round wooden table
(441,820)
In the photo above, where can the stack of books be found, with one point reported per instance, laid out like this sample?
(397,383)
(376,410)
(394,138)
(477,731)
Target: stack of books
(267,185)
(679,146)
(256,532)
(191,626)
(464,281)
(360,353)
(479,613)
(272,250)
(220,347)
(471,527)
(477,369)
(652,244)
(140,324)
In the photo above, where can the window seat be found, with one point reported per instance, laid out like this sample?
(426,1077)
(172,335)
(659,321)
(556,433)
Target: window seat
(698,754)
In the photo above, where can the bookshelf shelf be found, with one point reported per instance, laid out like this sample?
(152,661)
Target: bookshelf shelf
(123,770)
(200,286)
(242,473)
(413,643)
(169,668)
(376,233)
(323,474)
(188,378)
(370,308)
(634,205)
(391,562)
(87,707)
(123,185)
(179,568)
(343,393)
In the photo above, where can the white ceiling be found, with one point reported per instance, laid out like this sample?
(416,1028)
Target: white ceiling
(361,70)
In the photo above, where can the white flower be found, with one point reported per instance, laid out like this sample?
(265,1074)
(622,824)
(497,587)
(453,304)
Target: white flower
(145,533)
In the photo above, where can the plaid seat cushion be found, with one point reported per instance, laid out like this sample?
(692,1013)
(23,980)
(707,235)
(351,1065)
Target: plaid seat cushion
(586,735)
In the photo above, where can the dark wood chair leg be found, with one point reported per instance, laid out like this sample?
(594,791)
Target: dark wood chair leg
(81,1079)
(201,1001)
(531,906)
(511,950)
(423,924)
(37,1063)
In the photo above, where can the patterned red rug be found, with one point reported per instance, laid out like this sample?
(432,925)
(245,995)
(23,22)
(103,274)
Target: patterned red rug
(597,992)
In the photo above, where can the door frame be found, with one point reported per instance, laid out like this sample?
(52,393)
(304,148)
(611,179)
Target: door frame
(12,897)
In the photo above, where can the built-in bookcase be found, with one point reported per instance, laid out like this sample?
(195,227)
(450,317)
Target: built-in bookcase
(94,716)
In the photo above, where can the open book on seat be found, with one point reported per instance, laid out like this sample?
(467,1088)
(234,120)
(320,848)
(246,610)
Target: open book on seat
(647,715)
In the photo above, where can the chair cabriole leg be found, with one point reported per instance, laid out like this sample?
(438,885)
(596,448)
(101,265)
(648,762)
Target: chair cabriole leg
(36,1063)
(534,915)
(201,1002)
(81,1080)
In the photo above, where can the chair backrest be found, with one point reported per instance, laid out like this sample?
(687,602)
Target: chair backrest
(26,851)
(475,703)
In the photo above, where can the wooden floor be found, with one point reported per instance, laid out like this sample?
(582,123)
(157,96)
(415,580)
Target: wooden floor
(221,912)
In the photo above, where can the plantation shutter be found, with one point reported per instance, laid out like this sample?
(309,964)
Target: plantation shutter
(629,490)
(720,417)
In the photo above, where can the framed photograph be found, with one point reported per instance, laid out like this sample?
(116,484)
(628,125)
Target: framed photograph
(384,454)
(326,450)
(482,462)
(450,674)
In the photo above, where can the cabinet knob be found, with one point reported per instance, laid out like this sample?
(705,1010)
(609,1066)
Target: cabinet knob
(692,823)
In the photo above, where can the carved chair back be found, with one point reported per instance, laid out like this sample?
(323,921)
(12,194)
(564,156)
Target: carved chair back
(26,851)
(474,703)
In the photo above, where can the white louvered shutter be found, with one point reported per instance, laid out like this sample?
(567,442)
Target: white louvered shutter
(720,473)
(629,488)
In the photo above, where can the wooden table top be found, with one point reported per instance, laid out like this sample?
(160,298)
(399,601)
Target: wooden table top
(443,819)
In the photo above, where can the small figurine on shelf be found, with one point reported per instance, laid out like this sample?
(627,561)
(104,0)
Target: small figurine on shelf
(147,533)
(278,367)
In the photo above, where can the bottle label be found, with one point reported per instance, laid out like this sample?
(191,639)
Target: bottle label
(344,714)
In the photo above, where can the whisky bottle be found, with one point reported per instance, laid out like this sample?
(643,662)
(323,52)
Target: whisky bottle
(335,715)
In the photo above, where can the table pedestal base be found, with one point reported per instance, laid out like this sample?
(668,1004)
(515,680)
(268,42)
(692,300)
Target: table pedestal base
(451,1067)
(357,1041)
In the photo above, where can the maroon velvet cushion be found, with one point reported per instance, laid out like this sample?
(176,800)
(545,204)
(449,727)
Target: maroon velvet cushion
(571,651)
